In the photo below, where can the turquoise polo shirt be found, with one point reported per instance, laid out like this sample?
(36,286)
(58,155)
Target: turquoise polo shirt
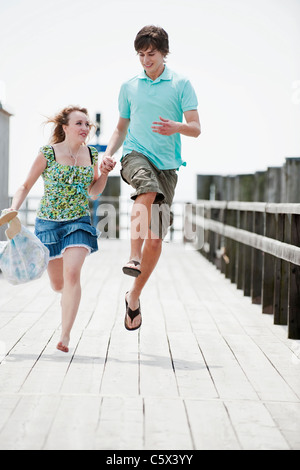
(143,100)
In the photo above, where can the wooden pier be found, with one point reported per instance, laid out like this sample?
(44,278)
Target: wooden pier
(207,369)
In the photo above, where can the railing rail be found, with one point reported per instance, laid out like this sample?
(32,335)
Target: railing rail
(257,247)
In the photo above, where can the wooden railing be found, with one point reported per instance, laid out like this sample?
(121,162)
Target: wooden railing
(257,247)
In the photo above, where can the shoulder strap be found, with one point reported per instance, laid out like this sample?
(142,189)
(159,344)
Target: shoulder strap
(93,154)
(48,152)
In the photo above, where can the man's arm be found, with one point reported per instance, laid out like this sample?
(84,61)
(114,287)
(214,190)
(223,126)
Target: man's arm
(117,138)
(190,128)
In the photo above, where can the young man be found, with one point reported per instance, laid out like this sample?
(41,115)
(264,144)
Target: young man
(151,107)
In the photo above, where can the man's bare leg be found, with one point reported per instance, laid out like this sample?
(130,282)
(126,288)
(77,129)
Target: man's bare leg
(149,256)
(140,220)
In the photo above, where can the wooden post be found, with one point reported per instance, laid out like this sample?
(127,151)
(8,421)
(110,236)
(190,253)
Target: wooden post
(228,185)
(273,184)
(257,260)
(281,277)
(283,189)
(203,186)
(294,289)
(245,187)
(217,187)
(268,268)
(247,255)
(260,186)
(292,179)
(230,245)
(239,254)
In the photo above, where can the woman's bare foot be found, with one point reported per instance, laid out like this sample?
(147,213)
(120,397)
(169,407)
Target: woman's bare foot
(62,348)
(63,344)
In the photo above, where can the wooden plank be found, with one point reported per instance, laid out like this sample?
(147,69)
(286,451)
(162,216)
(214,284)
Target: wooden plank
(74,424)
(210,425)
(29,423)
(268,245)
(7,405)
(121,424)
(192,374)
(157,376)
(264,378)
(283,358)
(166,424)
(228,376)
(287,418)
(270,207)
(254,426)
(121,373)
(84,375)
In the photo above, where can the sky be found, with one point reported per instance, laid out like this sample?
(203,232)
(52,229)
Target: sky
(242,57)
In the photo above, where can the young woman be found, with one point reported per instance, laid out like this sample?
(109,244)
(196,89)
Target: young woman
(70,172)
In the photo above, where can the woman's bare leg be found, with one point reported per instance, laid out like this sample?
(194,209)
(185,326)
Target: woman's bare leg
(73,259)
(64,274)
(55,273)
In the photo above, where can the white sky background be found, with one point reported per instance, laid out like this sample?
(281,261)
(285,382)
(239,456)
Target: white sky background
(242,56)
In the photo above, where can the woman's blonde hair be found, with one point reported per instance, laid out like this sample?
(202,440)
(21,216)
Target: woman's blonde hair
(62,119)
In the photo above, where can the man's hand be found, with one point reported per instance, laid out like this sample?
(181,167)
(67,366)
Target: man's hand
(165,126)
(107,164)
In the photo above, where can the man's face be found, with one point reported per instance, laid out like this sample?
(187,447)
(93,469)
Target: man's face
(152,61)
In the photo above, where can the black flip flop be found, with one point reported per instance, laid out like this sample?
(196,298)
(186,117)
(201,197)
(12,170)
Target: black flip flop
(135,272)
(132,314)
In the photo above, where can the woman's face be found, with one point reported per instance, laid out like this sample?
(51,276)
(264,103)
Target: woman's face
(78,127)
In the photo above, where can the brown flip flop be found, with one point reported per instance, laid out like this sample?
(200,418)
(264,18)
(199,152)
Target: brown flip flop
(132,314)
(130,271)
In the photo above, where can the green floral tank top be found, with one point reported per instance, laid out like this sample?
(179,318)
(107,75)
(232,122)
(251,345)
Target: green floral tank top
(65,188)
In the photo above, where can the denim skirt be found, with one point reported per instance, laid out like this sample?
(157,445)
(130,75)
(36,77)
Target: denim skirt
(59,235)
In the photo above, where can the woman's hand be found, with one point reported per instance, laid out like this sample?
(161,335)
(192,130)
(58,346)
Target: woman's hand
(107,164)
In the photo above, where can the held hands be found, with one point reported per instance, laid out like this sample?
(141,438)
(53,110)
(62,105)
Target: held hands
(107,164)
(165,126)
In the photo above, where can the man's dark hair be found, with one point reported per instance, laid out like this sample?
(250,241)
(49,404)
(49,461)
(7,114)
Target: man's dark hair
(154,37)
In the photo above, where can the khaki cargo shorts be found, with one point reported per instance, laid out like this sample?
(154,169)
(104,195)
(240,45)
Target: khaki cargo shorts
(144,177)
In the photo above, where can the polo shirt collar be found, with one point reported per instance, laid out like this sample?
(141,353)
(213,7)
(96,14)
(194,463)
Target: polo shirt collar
(166,75)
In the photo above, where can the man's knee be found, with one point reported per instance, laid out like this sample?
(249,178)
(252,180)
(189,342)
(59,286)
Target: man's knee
(154,242)
(146,198)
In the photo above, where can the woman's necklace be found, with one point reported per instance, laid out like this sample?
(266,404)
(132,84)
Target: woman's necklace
(74,157)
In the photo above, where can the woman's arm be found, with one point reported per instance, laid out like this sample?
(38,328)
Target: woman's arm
(35,172)
(99,182)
